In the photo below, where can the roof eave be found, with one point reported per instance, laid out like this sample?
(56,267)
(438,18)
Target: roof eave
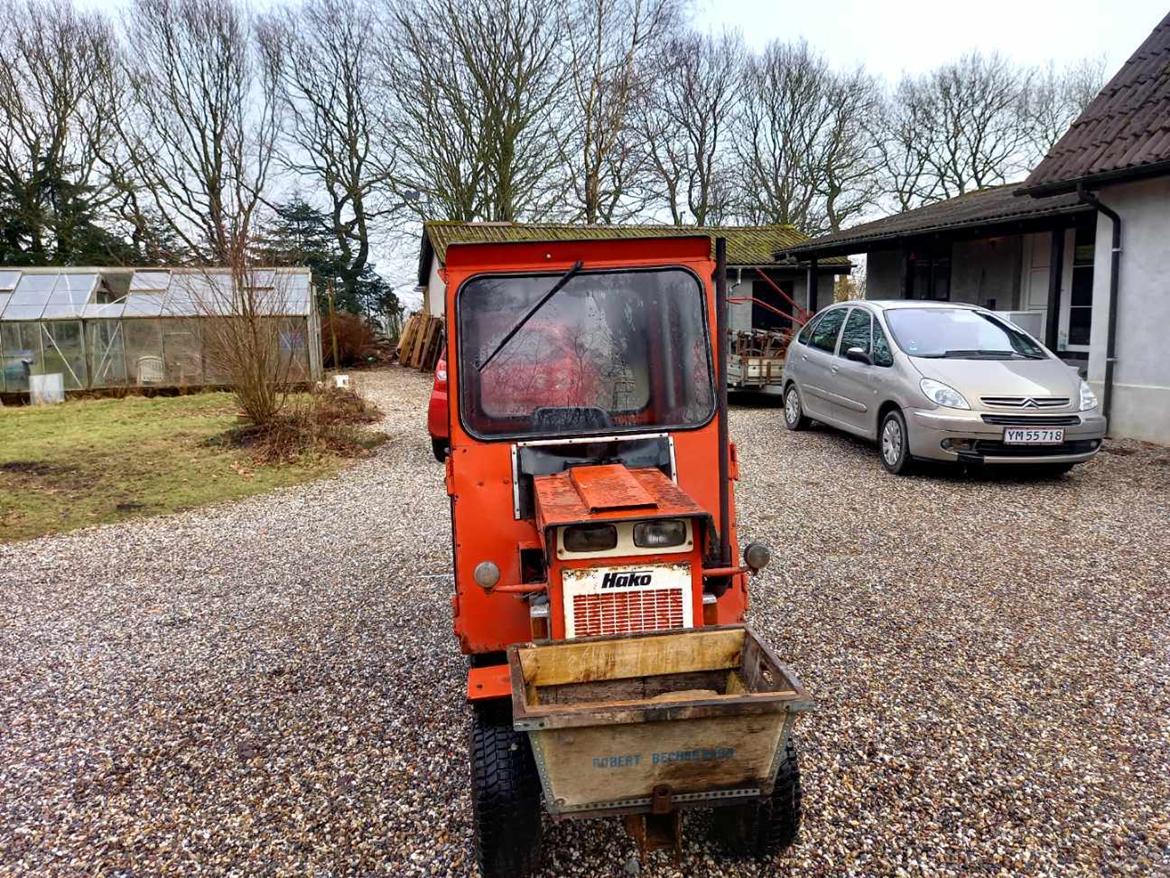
(1090,181)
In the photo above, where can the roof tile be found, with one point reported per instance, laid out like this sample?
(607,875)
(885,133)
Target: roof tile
(1123,130)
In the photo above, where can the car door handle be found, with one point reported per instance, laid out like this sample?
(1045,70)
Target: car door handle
(835,370)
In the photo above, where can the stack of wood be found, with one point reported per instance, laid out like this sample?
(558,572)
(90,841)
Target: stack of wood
(760,343)
(421,342)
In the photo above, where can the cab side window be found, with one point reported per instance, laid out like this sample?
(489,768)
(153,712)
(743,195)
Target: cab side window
(856,332)
(882,355)
(824,335)
(806,333)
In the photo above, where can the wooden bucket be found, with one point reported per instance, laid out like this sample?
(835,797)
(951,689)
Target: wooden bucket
(654,722)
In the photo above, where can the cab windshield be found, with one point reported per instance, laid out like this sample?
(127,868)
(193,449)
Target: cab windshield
(609,351)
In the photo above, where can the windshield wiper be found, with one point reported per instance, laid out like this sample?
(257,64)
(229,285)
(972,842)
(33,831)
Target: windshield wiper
(979,353)
(519,324)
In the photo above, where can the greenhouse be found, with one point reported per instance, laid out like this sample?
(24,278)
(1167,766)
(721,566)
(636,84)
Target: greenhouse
(70,329)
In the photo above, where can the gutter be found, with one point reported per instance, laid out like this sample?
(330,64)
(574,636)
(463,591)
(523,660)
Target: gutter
(1114,271)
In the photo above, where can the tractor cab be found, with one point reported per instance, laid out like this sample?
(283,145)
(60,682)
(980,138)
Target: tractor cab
(585,443)
(590,479)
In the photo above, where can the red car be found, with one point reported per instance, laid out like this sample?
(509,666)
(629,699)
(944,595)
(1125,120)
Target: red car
(437,410)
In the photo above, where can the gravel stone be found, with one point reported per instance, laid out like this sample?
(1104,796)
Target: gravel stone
(271,687)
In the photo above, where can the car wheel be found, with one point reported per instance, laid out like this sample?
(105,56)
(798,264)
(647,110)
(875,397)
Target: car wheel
(894,444)
(439,449)
(794,418)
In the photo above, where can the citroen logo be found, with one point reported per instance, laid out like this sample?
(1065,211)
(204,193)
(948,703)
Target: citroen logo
(1030,404)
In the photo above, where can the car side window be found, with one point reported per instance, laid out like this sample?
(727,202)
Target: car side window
(806,333)
(824,335)
(882,355)
(856,331)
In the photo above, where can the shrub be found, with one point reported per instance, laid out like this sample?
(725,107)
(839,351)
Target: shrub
(355,339)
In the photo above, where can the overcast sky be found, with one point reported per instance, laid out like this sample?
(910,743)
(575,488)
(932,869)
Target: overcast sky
(890,38)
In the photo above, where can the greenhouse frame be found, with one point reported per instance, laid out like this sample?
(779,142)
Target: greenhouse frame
(100,328)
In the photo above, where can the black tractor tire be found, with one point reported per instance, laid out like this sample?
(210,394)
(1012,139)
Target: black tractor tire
(505,789)
(894,444)
(764,829)
(439,449)
(794,417)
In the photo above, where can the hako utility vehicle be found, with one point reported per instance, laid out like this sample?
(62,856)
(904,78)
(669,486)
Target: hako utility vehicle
(598,591)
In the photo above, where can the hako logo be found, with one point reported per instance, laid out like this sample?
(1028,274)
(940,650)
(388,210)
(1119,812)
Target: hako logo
(632,579)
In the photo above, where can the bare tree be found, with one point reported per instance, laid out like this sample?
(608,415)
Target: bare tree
(334,119)
(956,129)
(803,152)
(477,90)
(55,121)
(204,122)
(1056,98)
(684,126)
(610,44)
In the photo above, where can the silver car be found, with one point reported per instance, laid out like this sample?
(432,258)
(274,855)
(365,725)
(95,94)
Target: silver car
(939,381)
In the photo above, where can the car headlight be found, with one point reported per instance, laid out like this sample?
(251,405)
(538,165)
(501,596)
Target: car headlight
(1088,398)
(660,534)
(944,395)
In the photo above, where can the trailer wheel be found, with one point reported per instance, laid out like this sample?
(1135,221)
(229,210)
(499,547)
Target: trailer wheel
(505,795)
(763,829)
(439,449)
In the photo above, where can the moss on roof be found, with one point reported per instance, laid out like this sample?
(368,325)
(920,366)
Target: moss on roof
(746,245)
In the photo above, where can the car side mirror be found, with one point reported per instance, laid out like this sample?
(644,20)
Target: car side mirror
(857,355)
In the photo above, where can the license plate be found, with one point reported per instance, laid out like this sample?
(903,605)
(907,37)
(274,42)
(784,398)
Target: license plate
(1031,436)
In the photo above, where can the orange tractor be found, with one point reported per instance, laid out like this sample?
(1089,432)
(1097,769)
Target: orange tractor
(598,592)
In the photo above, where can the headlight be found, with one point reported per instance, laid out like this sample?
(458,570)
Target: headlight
(660,534)
(590,537)
(942,394)
(1088,398)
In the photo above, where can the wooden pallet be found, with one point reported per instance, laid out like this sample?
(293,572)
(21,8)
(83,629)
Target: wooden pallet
(419,346)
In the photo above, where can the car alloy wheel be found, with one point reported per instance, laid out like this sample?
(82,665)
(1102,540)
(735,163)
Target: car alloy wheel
(892,441)
(791,406)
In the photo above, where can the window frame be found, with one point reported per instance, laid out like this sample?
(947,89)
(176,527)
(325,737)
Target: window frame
(704,309)
(856,309)
(838,309)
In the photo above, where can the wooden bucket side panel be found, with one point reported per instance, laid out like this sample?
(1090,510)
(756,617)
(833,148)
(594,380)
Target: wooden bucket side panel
(608,764)
(585,661)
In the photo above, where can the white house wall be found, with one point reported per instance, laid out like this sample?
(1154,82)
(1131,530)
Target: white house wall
(435,297)
(1141,375)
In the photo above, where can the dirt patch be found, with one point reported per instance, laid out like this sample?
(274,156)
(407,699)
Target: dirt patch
(28,468)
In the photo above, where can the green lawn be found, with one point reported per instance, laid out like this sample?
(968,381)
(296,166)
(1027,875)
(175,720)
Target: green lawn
(96,461)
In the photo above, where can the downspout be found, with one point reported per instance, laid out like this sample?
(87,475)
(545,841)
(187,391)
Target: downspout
(1114,270)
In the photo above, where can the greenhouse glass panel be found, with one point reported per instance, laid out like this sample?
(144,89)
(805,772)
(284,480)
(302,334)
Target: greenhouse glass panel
(105,311)
(20,354)
(294,350)
(144,352)
(104,344)
(63,352)
(4,297)
(70,295)
(143,305)
(8,280)
(29,298)
(182,353)
(150,281)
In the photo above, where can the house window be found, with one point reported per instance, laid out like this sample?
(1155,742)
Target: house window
(1080,306)
(928,274)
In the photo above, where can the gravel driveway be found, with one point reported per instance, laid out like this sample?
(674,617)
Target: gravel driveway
(271,687)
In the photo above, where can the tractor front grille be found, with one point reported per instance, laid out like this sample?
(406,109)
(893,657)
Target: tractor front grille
(628,612)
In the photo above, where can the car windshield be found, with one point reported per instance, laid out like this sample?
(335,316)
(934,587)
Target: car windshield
(608,351)
(959,334)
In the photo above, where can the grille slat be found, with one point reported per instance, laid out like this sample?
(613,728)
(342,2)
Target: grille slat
(1032,420)
(1026,402)
(628,612)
